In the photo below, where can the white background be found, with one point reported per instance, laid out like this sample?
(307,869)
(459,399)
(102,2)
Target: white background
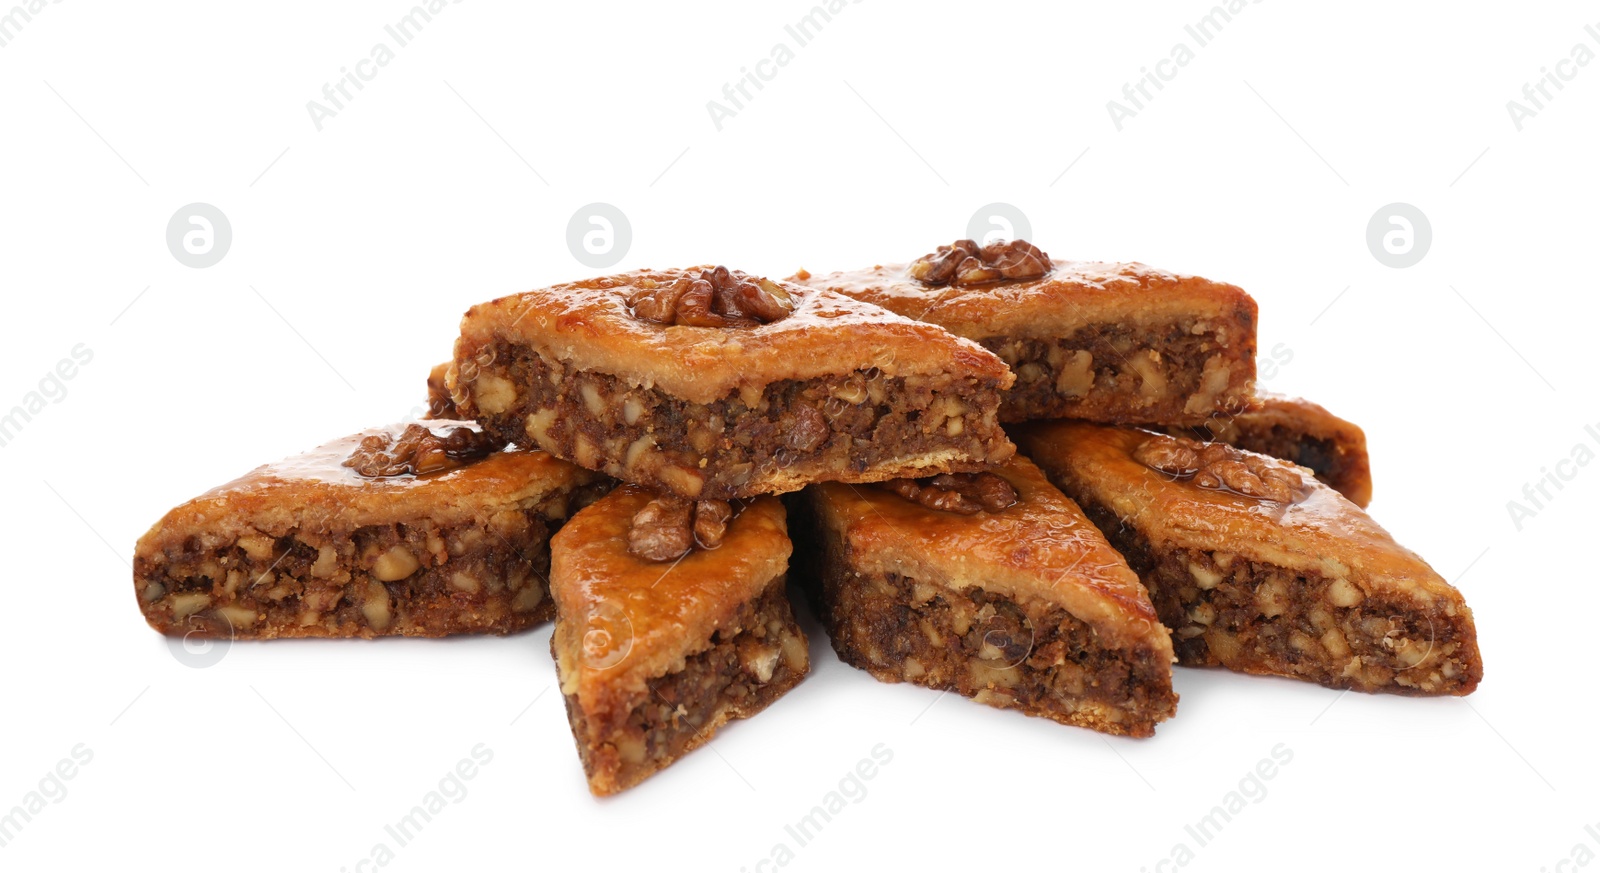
(356,250)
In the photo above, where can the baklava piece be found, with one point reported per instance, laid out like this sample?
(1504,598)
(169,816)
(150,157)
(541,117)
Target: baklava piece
(1258,567)
(671,621)
(418,530)
(708,383)
(1119,343)
(995,586)
(1300,432)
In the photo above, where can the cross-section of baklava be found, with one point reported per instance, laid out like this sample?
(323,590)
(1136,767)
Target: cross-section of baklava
(1258,567)
(709,383)
(993,585)
(418,530)
(1300,432)
(671,620)
(1122,343)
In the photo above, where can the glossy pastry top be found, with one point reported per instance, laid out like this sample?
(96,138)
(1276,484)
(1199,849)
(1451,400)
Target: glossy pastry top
(590,325)
(1072,294)
(1313,426)
(1296,414)
(1041,549)
(1317,530)
(315,489)
(626,620)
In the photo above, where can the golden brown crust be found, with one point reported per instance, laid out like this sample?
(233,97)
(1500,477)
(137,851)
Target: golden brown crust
(1040,549)
(328,495)
(838,390)
(1322,531)
(588,325)
(668,609)
(1027,607)
(748,664)
(1318,544)
(654,657)
(1300,432)
(1098,341)
(308,547)
(1074,293)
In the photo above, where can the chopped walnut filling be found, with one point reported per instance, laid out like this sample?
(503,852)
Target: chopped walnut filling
(419,451)
(1221,467)
(716,298)
(961,493)
(669,526)
(964,263)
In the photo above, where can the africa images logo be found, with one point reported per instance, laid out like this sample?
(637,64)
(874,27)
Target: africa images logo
(1136,95)
(800,33)
(1543,90)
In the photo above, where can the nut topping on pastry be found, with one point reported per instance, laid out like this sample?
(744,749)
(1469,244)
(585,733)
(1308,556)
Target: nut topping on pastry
(419,451)
(669,526)
(716,298)
(964,263)
(961,493)
(1221,467)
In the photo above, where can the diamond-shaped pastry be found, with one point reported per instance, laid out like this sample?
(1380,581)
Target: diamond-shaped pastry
(1022,606)
(419,530)
(1122,343)
(647,377)
(1258,567)
(655,655)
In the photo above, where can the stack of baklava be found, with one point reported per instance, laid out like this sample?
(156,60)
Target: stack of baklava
(651,458)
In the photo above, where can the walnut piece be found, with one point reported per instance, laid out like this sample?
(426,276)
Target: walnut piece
(964,263)
(1005,636)
(419,451)
(718,297)
(667,527)
(711,519)
(808,429)
(1221,467)
(961,493)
